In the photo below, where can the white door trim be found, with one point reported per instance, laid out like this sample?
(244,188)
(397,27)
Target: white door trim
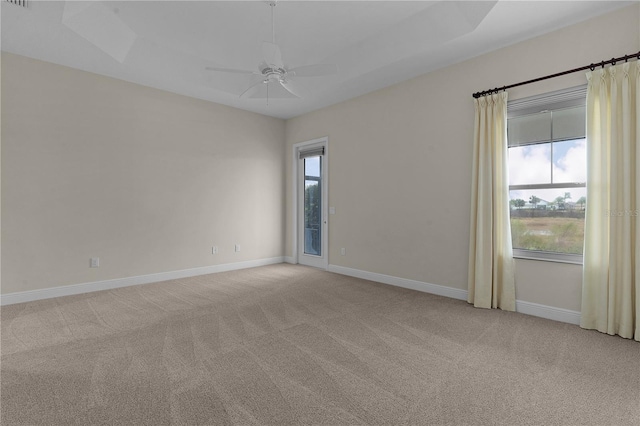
(324,141)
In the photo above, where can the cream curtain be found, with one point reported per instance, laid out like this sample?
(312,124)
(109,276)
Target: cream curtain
(611,289)
(491,271)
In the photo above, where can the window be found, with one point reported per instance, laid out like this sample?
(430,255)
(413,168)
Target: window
(312,205)
(547,175)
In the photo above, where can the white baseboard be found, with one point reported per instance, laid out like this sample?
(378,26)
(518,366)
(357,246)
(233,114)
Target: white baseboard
(440,290)
(527,308)
(290,259)
(548,312)
(68,290)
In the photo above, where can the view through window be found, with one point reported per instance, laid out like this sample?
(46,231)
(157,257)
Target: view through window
(312,205)
(547,182)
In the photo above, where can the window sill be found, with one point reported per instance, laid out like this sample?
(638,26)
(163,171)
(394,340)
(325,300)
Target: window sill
(575,259)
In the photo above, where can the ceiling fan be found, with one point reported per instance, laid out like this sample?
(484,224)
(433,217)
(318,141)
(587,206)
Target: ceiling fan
(275,74)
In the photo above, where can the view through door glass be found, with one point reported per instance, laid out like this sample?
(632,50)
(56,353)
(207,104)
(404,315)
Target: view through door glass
(312,206)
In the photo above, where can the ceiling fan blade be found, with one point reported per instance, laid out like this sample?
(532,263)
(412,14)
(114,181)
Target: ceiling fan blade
(292,88)
(314,70)
(271,90)
(271,54)
(230,70)
(252,90)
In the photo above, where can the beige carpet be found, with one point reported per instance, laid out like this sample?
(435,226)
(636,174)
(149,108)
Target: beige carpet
(287,344)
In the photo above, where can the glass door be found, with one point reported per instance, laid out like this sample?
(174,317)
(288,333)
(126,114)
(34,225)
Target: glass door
(311,207)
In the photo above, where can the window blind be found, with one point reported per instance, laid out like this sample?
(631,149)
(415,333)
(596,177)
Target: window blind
(560,99)
(555,116)
(313,152)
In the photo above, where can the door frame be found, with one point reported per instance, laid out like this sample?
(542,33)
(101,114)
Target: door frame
(324,142)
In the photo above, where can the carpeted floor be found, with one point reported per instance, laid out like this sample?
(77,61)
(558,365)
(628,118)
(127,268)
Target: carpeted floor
(287,344)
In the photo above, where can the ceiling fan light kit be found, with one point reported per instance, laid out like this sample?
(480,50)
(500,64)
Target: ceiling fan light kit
(272,71)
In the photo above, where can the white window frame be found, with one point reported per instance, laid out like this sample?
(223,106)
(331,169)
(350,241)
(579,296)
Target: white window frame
(566,98)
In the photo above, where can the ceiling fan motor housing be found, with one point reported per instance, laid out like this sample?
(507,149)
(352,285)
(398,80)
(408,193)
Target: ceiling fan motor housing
(273,73)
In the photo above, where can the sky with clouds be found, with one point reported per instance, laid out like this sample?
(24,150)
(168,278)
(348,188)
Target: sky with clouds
(535,164)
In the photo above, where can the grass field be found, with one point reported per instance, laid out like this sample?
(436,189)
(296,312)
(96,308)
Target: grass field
(556,234)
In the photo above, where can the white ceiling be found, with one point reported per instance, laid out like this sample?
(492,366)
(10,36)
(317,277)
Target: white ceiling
(168,44)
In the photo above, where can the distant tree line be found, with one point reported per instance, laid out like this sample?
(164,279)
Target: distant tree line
(560,203)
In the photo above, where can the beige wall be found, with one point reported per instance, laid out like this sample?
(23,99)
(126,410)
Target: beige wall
(146,180)
(400,160)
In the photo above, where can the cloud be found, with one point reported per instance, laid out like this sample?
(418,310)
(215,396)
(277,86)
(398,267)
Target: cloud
(530,164)
(572,167)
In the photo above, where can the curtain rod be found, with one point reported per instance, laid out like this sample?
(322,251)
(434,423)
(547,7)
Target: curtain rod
(591,67)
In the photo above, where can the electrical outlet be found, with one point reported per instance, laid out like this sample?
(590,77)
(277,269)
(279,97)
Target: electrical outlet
(237,247)
(94,262)
(343,251)
(214,250)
